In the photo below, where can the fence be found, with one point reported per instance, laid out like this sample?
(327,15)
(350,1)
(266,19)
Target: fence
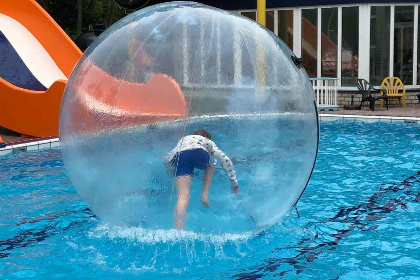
(325,92)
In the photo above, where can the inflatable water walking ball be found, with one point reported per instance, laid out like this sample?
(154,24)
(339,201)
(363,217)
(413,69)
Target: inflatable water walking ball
(163,72)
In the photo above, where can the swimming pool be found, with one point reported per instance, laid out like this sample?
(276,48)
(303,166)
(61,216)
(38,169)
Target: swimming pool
(358,220)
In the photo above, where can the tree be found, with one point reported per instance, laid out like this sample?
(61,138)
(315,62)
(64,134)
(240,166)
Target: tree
(64,12)
(76,16)
(79,17)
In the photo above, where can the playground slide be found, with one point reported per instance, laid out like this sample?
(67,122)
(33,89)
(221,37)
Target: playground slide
(36,58)
(102,101)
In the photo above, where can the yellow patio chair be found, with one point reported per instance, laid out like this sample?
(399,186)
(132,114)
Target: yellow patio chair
(394,89)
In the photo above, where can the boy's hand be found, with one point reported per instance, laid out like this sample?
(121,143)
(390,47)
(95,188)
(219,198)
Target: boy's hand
(235,188)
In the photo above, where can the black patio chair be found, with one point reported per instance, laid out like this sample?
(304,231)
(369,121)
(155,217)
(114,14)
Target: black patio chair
(366,90)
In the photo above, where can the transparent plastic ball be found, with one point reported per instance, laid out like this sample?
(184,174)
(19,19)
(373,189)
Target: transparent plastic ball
(165,71)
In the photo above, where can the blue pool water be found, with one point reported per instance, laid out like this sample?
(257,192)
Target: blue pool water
(358,220)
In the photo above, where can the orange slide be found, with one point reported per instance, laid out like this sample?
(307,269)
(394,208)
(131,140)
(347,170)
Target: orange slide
(37,57)
(106,102)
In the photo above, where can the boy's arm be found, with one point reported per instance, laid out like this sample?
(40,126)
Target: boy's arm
(228,167)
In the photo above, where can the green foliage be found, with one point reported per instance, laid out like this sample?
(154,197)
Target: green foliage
(65,14)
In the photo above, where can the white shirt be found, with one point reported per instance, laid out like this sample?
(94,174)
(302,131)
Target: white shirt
(191,142)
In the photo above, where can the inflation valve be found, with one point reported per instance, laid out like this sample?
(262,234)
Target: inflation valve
(297,61)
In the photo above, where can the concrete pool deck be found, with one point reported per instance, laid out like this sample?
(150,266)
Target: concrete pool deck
(409,111)
(11,138)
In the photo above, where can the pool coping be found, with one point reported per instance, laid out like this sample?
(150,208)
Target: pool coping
(369,119)
(53,143)
(50,143)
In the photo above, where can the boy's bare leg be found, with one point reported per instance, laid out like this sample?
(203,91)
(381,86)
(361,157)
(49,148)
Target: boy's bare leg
(183,185)
(208,177)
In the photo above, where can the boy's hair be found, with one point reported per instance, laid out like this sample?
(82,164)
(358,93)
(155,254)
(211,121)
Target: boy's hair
(203,132)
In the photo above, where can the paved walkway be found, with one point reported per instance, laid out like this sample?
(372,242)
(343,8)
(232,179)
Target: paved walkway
(412,111)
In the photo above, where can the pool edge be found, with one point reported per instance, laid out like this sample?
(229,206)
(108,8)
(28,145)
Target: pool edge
(52,143)
(369,119)
(43,144)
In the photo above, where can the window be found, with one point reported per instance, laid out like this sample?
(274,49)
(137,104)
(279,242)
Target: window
(285,27)
(379,44)
(388,51)
(403,43)
(226,39)
(329,36)
(418,51)
(269,20)
(309,41)
(251,15)
(350,46)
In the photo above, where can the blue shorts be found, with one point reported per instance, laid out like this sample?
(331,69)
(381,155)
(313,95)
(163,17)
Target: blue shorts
(190,159)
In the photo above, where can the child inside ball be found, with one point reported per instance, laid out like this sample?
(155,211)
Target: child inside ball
(195,151)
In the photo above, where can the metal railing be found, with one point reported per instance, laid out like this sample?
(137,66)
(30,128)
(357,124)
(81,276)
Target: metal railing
(325,92)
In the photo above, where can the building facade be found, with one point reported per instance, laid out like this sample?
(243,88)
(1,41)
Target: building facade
(368,41)
(342,39)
